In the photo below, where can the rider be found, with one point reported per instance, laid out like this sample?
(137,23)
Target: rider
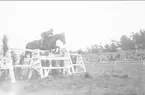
(46,34)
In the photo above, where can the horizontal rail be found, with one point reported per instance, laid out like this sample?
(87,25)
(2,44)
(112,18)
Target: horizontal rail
(74,54)
(1,68)
(77,64)
(56,67)
(53,58)
(15,49)
(57,55)
(22,66)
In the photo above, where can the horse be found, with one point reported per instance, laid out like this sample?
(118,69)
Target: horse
(49,43)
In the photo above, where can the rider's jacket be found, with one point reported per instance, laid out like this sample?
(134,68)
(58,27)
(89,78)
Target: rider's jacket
(46,34)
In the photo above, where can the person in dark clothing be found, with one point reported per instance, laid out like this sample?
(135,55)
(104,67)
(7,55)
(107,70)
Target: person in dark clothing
(46,34)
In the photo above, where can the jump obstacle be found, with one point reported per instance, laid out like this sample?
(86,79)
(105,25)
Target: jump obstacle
(35,63)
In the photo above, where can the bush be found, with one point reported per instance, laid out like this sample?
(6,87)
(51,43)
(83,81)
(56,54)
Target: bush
(87,75)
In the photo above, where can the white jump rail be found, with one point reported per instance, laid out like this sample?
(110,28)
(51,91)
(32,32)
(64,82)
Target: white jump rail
(52,58)
(67,67)
(29,66)
(22,50)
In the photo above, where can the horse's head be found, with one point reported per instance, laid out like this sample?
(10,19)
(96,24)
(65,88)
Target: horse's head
(61,37)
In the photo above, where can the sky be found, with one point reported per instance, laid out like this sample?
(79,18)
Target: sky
(84,22)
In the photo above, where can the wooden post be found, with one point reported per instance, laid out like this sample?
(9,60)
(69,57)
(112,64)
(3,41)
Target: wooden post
(30,73)
(10,67)
(40,65)
(47,71)
(82,63)
(13,80)
(71,64)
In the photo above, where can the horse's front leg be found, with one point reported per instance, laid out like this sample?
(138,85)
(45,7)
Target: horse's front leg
(57,49)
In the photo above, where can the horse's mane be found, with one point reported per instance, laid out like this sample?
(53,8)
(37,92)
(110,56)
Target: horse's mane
(54,36)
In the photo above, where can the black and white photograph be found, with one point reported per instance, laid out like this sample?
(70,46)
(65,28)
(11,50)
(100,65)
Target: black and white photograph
(72,47)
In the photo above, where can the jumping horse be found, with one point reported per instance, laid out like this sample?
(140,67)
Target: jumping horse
(49,43)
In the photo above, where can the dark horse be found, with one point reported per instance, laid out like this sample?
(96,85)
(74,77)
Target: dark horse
(48,44)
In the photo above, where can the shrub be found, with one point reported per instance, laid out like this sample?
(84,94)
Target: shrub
(87,75)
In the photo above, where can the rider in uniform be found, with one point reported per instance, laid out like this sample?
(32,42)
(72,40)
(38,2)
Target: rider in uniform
(48,34)
(45,35)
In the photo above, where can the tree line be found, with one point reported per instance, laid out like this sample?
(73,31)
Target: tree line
(132,42)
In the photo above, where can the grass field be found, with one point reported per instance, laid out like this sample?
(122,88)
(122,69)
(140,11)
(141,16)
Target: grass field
(100,79)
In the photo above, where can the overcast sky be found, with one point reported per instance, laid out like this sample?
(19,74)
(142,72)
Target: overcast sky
(84,22)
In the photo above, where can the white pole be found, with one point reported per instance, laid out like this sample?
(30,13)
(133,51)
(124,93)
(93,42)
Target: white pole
(10,66)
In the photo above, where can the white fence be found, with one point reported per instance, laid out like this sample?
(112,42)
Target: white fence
(35,62)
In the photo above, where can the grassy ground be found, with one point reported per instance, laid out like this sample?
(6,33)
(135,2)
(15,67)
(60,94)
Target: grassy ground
(106,83)
(100,80)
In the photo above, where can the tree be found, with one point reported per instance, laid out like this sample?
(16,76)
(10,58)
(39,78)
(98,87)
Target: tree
(135,41)
(5,44)
(126,43)
(101,48)
(80,51)
(107,48)
(93,49)
(113,47)
(139,39)
(88,50)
